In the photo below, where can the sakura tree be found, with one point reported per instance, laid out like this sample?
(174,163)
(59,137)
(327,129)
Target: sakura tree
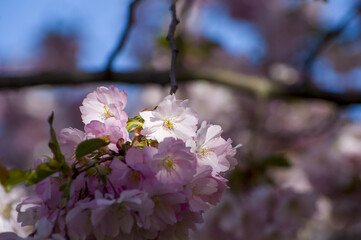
(146,164)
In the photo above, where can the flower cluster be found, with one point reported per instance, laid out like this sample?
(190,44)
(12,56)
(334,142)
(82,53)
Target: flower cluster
(147,177)
(334,174)
(264,212)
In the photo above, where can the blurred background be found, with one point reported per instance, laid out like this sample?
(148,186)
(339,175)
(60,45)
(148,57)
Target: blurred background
(282,78)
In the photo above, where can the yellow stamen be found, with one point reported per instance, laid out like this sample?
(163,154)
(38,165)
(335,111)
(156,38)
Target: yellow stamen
(107,114)
(194,191)
(204,151)
(168,124)
(106,138)
(135,175)
(168,162)
(6,211)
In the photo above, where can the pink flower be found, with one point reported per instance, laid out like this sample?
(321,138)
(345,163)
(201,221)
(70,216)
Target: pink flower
(69,138)
(136,170)
(30,210)
(104,103)
(202,188)
(172,118)
(167,205)
(77,221)
(180,230)
(112,216)
(44,231)
(174,163)
(138,160)
(111,130)
(48,190)
(8,214)
(211,149)
(118,176)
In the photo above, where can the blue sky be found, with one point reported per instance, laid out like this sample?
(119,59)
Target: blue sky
(238,38)
(98,23)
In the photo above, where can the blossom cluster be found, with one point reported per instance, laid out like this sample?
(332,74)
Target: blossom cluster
(147,177)
(264,212)
(334,174)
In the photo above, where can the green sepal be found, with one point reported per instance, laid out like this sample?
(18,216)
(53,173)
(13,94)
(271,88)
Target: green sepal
(90,172)
(137,121)
(42,171)
(103,171)
(53,143)
(65,188)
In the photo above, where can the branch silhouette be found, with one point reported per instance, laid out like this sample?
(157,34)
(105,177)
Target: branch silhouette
(124,36)
(325,39)
(170,38)
(250,85)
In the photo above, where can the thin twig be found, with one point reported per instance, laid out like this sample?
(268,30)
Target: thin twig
(78,172)
(124,36)
(170,38)
(325,39)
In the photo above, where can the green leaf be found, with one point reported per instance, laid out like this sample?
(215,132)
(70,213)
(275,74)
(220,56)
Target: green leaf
(89,146)
(53,143)
(10,178)
(15,177)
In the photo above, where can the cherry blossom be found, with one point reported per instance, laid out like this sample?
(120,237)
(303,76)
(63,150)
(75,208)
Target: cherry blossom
(174,163)
(211,149)
(8,214)
(172,118)
(154,184)
(104,103)
(69,138)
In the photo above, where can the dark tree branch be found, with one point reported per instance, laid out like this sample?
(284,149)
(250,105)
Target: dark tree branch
(253,86)
(315,130)
(325,39)
(170,38)
(80,78)
(123,37)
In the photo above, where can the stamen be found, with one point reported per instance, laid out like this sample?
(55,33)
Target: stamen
(107,114)
(6,211)
(106,138)
(204,151)
(135,176)
(194,191)
(168,162)
(168,124)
